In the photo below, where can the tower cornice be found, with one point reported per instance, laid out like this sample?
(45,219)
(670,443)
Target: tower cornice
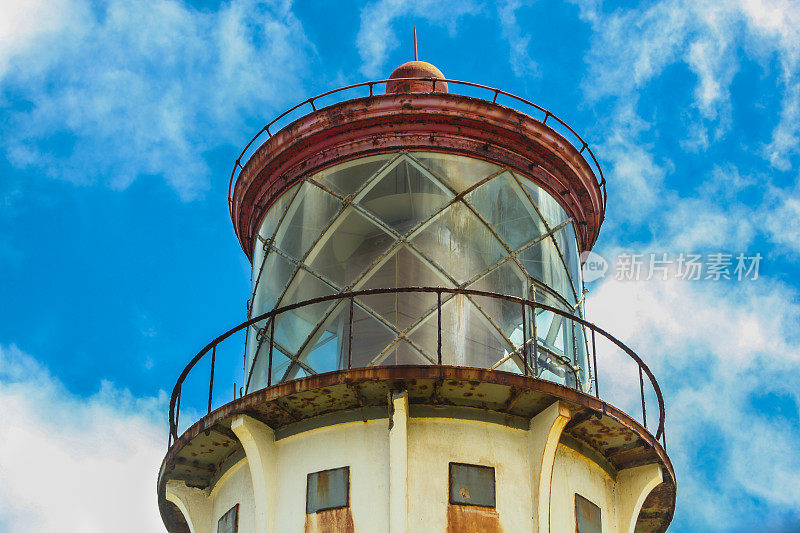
(436,122)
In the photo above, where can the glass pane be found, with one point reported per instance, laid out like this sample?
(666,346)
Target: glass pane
(404,196)
(403,353)
(587,516)
(294,327)
(347,178)
(331,350)
(457,172)
(542,262)
(326,354)
(472,485)
(507,279)
(503,204)
(275,275)
(370,337)
(260,370)
(403,269)
(229,522)
(568,245)
(270,223)
(350,245)
(460,243)
(554,334)
(550,209)
(468,339)
(328,489)
(309,213)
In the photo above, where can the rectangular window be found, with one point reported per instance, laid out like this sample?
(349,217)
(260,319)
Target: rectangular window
(328,489)
(229,522)
(472,485)
(587,516)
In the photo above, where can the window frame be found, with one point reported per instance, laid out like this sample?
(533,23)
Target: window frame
(470,504)
(579,498)
(347,489)
(226,513)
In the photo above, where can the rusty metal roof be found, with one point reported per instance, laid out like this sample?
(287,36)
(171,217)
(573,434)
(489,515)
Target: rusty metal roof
(432,121)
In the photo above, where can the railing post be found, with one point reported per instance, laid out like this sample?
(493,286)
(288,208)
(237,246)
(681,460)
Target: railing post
(594,362)
(574,345)
(528,307)
(178,409)
(641,387)
(350,338)
(211,381)
(524,341)
(439,327)
(271,345)
(535,344)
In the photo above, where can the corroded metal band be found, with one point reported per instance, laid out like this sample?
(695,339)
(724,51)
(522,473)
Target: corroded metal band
(594,422)
(445,123)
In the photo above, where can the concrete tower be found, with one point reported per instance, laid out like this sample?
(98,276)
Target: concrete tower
(416,355)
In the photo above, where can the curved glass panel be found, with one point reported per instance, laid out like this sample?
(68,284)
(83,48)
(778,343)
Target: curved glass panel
(416,219)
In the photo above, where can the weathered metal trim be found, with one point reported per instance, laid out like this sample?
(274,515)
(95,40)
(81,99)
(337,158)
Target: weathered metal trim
(445,123)
(397,376)
(176,392)
(246,403)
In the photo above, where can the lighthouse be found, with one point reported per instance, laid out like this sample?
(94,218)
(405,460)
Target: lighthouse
(416,356)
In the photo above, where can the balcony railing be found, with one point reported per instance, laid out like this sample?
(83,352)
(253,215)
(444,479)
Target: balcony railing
(573,137)
(533,354)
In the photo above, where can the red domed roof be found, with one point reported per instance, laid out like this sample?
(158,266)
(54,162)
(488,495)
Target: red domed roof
(416,69)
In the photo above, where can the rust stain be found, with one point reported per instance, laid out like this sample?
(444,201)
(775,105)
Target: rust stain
(601,426)
(321,138)
(330,521)
(469,519)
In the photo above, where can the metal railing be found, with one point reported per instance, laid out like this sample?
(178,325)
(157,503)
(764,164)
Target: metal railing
(529,352)
(581,145)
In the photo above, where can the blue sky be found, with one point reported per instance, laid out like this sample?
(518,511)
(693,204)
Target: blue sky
(120,123)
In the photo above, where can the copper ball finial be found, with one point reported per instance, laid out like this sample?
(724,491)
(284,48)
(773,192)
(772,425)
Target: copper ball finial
(416,69)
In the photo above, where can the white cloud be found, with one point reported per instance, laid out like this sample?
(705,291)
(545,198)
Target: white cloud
(783,220)
(638,178)
(76,464)
(122,90)
(717,352)
(518,40)
(785,141)
(30,24)
(377,36)
(630,48)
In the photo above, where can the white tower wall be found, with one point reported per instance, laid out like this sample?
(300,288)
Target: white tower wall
(399,478)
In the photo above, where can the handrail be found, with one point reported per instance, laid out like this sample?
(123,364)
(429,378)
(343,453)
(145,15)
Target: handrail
(211,346)
(582,145)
